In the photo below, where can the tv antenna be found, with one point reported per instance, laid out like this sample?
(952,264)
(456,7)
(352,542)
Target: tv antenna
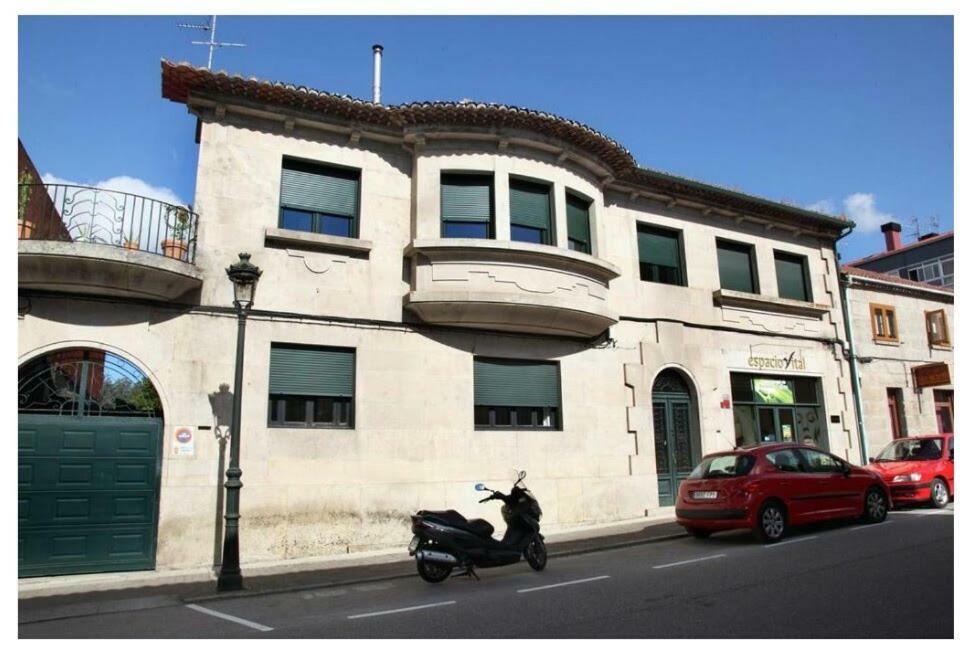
(210,27)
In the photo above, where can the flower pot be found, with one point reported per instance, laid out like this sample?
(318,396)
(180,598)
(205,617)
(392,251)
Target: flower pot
(131,245)
(25,228)
(175,249)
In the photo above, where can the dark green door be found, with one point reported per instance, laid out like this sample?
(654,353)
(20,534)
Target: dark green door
(88,493)
(676,430)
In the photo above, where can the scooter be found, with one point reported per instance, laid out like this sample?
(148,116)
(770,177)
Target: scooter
(446,542)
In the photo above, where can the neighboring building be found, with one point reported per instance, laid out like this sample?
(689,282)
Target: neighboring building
(929,260)
(902,336)
(450,290)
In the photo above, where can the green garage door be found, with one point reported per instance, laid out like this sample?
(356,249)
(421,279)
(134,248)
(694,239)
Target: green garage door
(88,493)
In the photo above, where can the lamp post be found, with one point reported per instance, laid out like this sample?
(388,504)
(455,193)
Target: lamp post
(244,276)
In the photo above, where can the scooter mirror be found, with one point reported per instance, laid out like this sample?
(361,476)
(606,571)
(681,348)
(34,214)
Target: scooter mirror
(522,475)
(480,487)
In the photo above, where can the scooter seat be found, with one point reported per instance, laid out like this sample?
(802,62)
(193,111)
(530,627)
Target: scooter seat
(479,527)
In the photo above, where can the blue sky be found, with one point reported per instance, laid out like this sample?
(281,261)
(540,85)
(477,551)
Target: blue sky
(850,114)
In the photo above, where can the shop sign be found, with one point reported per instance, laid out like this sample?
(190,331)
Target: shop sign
(183,445)
(931,375)
(793,361)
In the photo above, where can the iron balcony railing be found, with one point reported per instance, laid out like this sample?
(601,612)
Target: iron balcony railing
(57,212)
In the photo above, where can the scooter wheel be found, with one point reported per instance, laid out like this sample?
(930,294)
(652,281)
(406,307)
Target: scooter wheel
(536,554)
(433,572)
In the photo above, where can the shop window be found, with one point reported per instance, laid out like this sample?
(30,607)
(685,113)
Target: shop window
(516,394)
(530,212)
(578,223)
(936,328)
(769,408)
(792,277)
(660,255)
(310,386)
(737,267)
(466,205)
(319,198)
(884,323)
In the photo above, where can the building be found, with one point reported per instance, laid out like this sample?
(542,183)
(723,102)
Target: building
(902,342)
(929,259)
(450,290)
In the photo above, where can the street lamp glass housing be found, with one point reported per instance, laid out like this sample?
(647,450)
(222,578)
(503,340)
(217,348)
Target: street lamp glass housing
(244,276)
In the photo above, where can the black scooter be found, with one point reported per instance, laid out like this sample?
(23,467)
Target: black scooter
(445,541)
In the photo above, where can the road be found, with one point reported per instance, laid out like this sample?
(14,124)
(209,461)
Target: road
(840,580)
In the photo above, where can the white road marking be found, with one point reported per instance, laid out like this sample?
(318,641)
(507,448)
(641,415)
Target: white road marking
(686,562)
(573,582)
(228,617)
(923,512)
(406,609)
(787,542)
(856,527)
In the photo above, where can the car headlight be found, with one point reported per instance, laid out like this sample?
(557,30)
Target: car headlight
(911,477)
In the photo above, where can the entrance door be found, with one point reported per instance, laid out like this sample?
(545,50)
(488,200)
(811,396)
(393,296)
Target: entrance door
(776,424)
(944,410)
(676,434)
(895,412)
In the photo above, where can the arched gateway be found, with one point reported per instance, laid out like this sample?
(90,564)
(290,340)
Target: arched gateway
(89,456)
(677,446)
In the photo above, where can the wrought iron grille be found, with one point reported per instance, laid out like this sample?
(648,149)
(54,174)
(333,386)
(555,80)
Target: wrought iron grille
(57,212)
(85,382)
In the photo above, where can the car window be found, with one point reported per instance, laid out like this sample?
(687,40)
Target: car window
(785,460)
(913,450)
(820,462)
(728,465)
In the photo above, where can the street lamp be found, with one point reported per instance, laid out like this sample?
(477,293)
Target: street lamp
(244,276)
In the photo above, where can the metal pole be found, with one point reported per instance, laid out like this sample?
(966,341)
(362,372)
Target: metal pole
(213,38)
(218,524)
(230,574)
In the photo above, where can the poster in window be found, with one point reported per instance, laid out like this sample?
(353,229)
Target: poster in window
(773,392)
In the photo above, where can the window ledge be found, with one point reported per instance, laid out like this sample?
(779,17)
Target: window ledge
(942,347)
(885,342)
(751,301)
(316,241)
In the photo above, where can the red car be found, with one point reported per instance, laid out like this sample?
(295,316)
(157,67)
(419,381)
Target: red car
(918,469)
(765,488)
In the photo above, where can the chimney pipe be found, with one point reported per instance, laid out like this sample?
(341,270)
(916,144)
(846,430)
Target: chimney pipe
(893,240)
(377,55)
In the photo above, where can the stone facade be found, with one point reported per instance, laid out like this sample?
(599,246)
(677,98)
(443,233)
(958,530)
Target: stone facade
(317,492)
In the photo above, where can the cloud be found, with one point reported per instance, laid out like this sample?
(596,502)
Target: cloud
(823,206)
(860,207)
(125,184)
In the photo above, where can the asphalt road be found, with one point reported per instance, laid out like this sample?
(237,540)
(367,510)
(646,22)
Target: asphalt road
(840,580)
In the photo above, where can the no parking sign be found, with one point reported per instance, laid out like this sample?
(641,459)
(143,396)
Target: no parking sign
(183,441)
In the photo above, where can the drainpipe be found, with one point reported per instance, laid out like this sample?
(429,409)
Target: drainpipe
(844,282)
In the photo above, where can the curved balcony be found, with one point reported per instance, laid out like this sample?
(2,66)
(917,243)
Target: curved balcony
(509,286)
(97,241)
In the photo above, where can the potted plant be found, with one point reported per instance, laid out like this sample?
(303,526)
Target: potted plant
(25,226)
(176,245)
(130,244)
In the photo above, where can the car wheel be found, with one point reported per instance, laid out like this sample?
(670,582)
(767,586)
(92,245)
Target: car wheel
(771,522)
(433,572)
(876,509)
(702,534)
(939,493)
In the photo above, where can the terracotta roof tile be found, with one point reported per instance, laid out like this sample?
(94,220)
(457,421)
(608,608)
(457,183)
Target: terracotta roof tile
(892,279)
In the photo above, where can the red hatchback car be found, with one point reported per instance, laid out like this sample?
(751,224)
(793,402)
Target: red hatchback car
(765,488)
(918,469)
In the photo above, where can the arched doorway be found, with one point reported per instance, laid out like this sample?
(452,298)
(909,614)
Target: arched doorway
(89,457)
(677,446)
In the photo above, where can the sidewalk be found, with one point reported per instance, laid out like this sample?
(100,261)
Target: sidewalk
(58,599)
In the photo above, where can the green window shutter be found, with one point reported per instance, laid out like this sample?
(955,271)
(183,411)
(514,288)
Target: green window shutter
(659,247)
(578,219)
(791,277)
(736,267)
(320,189)
(466,198)
(517,383)
(311,371)
(529,204)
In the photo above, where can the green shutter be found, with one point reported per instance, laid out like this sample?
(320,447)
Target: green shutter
(517,383)
(736,267)
(307,371)
(319,189)
(578,219)
(529,204)
(466,198)
(791,279)
(658,247)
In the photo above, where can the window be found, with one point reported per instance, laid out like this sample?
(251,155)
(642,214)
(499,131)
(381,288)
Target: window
(792,277)
(769,408)
(660,255)
(725,465)
(884,323)
(310,386)
(466,206)
(530,214)
(517,394)
(319,198)
(936,329)
(736,267)
(578,224)
(786,460)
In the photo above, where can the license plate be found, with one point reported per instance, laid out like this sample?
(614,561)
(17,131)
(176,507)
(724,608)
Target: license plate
(414,544)
(705,495)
